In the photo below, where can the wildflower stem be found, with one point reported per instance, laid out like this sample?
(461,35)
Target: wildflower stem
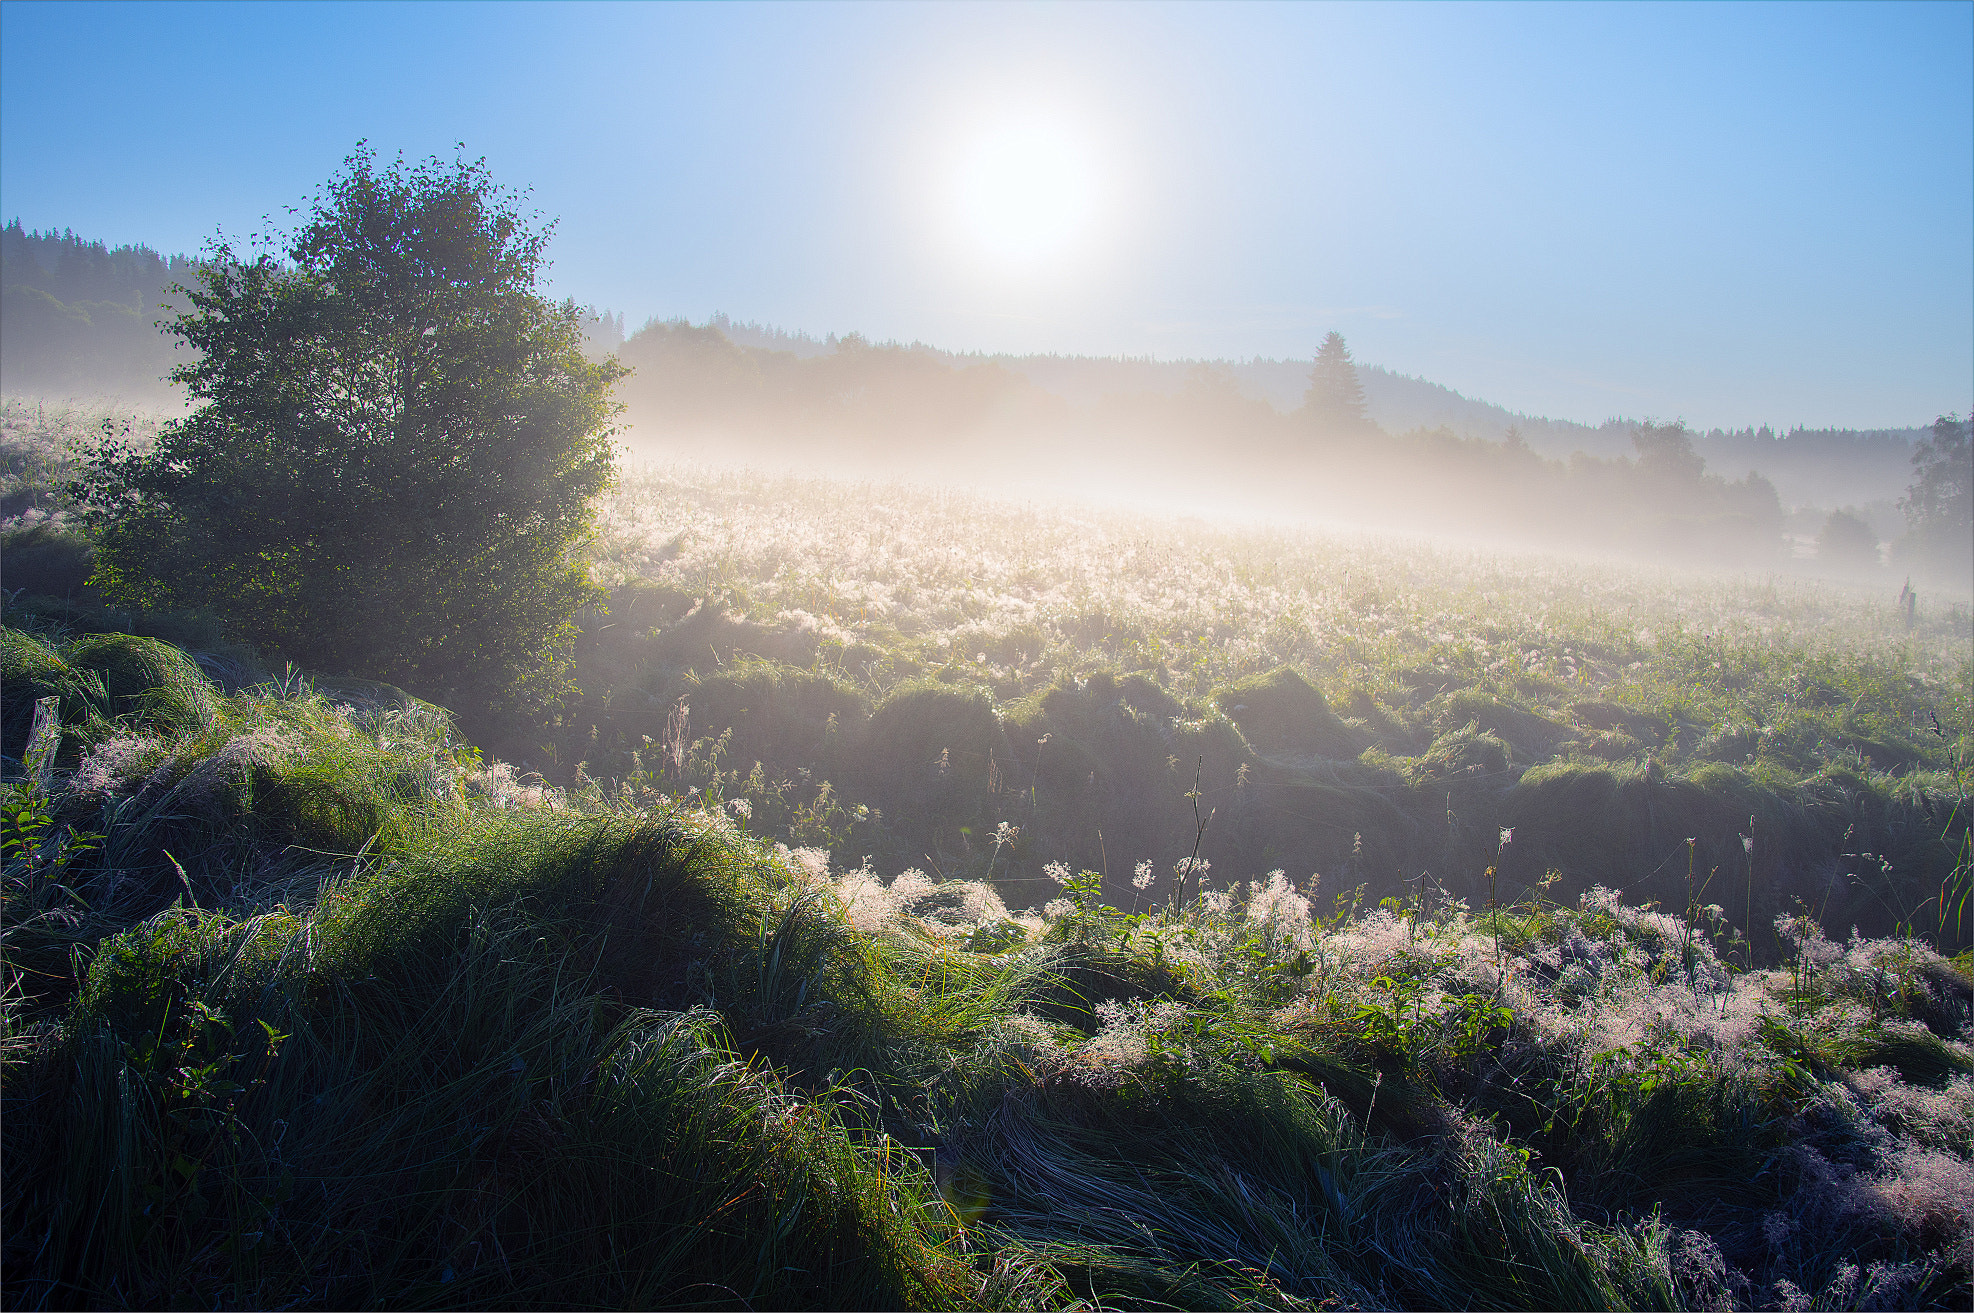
(1199,833)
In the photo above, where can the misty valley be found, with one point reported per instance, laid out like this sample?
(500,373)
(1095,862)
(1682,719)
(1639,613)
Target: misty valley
(505,813)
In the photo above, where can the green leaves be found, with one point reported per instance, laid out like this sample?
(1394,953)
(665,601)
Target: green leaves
(1396,1023)
(392,470)
(25,817)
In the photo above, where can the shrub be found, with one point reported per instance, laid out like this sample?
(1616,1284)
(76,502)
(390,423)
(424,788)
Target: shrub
(395,453)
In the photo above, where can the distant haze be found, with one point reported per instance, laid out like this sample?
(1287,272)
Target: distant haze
(1809,467)
(80,319)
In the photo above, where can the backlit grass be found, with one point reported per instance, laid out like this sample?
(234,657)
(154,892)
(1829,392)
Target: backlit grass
(362,1021)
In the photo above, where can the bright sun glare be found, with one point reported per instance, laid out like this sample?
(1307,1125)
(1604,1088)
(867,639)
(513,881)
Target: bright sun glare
(1026,191)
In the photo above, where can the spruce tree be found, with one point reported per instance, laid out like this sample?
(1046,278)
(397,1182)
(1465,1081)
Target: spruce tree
(1335,399)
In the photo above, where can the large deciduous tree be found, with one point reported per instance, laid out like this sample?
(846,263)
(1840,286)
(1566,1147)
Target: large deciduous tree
(397,441)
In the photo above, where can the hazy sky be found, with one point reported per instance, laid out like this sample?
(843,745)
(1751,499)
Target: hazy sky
(1732,214)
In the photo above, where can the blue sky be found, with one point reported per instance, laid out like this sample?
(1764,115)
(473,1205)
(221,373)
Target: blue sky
(1731,214)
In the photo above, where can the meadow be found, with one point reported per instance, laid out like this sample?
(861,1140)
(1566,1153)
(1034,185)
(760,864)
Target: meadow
(1373,711)
(929,900)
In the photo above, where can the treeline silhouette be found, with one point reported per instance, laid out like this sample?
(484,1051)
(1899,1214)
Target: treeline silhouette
(80,316)
(1821,467)
(912,411)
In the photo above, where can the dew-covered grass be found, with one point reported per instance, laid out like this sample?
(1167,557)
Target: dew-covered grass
(308,1005)
(973,686)
(935,901)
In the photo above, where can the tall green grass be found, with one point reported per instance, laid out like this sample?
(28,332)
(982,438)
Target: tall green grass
(306,1005)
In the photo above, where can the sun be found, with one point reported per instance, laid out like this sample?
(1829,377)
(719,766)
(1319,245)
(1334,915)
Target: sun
(1026,191)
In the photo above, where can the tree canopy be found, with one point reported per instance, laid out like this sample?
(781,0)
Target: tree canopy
(1939,504)
(396,449)
(1847,543)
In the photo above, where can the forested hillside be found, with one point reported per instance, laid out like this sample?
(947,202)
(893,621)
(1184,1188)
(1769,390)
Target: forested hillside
(78,317)
(1816,467)
(913,412)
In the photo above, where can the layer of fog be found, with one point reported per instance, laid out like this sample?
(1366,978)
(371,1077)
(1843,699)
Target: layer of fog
(1195,439)
(1863,470)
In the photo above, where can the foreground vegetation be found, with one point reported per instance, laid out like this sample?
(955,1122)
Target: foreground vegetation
(924,901)
(307,1005)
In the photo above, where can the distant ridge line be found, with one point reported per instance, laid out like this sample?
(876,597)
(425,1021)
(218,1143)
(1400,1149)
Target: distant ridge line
(1397,401)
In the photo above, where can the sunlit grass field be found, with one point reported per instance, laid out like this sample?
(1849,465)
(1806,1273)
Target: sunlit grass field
(932,901)
(912,675)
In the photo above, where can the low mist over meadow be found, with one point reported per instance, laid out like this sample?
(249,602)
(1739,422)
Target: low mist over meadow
(957,657)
